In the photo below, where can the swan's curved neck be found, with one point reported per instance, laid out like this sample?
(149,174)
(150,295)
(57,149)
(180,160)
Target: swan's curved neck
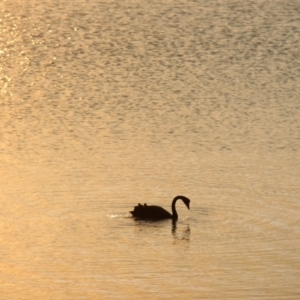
(174,212)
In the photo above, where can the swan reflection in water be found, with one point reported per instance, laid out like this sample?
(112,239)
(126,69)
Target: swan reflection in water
(184,236)
(154,212)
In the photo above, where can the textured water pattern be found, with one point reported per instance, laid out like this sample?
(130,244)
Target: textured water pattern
(106,104)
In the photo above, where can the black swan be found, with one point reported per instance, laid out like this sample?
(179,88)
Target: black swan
(153,212)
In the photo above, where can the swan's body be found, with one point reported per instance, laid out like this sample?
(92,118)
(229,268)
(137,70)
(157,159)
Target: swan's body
(153,212)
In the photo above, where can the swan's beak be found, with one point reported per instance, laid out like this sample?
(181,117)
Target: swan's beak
(188,205)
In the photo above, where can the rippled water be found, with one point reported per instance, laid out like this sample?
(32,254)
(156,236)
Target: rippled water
(106,104)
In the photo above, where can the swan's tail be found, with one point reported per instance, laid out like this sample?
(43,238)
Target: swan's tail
(138,209)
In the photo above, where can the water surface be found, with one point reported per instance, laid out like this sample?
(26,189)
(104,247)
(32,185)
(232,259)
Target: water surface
(106,104)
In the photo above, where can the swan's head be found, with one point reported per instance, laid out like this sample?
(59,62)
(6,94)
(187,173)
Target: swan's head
(185,200)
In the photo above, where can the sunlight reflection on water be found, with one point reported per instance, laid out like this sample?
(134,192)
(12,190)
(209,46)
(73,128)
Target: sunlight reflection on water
(105,105)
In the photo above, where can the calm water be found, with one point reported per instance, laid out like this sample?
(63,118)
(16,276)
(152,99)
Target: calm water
(105,104)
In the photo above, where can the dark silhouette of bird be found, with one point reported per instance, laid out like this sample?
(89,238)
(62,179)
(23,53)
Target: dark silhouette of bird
(154,212)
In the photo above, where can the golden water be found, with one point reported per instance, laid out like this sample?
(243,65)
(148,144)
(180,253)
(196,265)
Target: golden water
(106,104)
